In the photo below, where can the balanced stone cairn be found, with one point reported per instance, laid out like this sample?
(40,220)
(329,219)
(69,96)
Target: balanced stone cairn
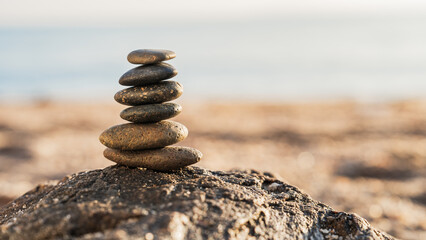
(144,142)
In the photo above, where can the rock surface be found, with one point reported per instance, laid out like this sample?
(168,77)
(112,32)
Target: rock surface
(147,74)
(151,112)
(132,136)
(150,56)
(155,93)
(163,159)
(124,203)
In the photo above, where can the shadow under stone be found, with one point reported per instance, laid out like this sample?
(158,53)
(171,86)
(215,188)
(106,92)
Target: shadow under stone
(421,199)
(16,152)
(358,170)
(288,136)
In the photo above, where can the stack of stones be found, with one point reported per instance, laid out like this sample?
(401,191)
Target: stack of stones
(145,141)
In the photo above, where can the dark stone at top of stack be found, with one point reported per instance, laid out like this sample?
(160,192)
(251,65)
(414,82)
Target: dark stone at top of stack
(150,56)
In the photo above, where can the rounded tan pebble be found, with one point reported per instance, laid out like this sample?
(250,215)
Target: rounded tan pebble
(147,74)
(151,112)
(150,56)
(155,93)
(131,136)
(163,159)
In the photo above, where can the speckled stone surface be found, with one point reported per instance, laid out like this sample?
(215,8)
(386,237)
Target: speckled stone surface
(131,136)
(163,159)
(193,203)
(151,112)
(155,93)
(147,74)
(150,56)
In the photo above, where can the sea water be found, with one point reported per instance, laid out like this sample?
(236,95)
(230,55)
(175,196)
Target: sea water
(281,58)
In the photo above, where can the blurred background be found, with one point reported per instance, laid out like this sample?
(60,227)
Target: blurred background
(328,95)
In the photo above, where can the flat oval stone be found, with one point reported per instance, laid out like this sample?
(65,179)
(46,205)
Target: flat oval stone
(131,136)
(151,112)
(150,56)
(163,159)
(155,93)
(147,74)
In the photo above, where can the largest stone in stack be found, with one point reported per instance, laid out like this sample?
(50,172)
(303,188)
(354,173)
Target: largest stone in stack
(145,142)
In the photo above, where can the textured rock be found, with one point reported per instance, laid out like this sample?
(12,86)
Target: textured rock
(155,93)
(124,203)
(147,74)
(163,159)
(131,136)
(151,112)
(150,56)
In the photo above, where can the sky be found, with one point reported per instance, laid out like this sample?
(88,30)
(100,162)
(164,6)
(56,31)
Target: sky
(30,13)
(240,48)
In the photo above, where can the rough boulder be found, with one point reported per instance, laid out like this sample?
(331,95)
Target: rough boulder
(194,203)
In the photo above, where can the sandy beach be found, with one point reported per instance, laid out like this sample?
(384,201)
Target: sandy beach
(365,158)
